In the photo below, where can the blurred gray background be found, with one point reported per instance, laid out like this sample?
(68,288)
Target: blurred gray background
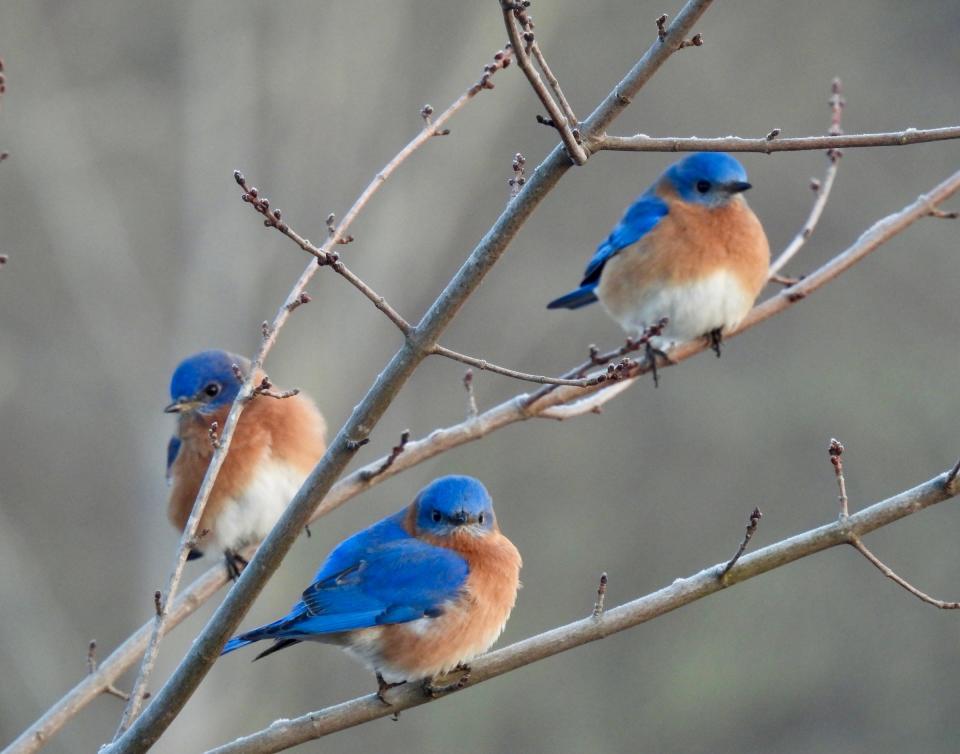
(130,248)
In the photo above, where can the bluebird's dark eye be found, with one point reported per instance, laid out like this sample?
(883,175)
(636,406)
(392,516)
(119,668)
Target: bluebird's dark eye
(213,390)
(436,516)
(703,186)
(481,518)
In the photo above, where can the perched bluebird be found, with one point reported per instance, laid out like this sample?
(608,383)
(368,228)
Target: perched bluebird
(414,596)
(275,445)
(689,249)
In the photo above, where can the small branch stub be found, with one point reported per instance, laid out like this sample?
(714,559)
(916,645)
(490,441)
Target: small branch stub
(472,409)
(388,462)
(212,433)
(518,179)
(601,596)
(836,458)
(748,535)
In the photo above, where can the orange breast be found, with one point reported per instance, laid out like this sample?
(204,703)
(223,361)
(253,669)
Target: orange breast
(291,430)
(470,625)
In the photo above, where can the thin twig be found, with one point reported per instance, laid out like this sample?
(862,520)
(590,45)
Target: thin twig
(820,188)
(644,143)
(748,535)
(388,461)
(555,86)
(858,545)
(284,734)
(472,409)
(520,41)
(109,689)
(601,596)
(324,257)
(612,373)
(836,459)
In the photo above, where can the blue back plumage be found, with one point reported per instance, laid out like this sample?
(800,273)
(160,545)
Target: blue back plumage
(383,575)
(208,377)
(173,447)
(708,178)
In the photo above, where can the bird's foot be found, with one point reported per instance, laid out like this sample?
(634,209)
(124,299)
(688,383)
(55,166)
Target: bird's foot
(235,564)
(653,353)
(433,691)
(383,687)
(715,337)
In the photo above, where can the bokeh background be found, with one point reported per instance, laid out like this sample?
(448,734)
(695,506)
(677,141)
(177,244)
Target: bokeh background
(130,248)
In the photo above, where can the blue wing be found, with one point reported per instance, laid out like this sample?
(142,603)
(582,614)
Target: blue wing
(173,447)
(639,220)
(377,577)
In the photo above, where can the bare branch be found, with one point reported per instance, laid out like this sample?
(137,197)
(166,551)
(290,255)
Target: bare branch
(748,535)
(557,91)
(284,734)
(820,188)
(611,374)
(514,12)
(836,458)
(601,596)
(858,544)
(644,143)
(472,409)
(388,462)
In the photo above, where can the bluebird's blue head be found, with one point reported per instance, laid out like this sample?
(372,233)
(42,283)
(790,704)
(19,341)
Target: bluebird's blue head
(454,504)
(708,178)
(205,382)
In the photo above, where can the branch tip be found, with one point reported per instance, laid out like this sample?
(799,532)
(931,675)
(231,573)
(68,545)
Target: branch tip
(601,596)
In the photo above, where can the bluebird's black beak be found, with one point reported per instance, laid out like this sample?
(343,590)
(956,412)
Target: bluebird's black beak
(459,518)
(735,187)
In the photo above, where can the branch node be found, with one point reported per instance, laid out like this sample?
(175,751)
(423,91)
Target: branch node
(662,27)
(266,388)
(695,41)
(935,212)
(158,603)
(773,134)
(303,298)
(601,596)
(356,444)
(518,179)
(952,482)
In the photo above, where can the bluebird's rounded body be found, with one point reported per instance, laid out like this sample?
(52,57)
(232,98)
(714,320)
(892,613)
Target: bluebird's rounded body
(275,445)
(415,595)
(689,249)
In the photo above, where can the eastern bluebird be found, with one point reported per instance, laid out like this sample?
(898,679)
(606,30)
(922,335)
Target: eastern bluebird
(275,445)
(414,596)
(689,249)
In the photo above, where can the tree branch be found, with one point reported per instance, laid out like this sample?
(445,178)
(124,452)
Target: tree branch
(284,734)
(484,365)
(643,143)
(821,188)
(514,12)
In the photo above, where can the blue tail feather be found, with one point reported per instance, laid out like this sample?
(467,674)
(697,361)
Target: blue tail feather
(575,299)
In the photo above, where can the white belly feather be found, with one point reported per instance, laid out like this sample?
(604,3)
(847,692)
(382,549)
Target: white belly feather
(249,517)
(694,309)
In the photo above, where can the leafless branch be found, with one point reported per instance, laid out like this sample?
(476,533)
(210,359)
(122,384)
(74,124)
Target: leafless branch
(601,596)
(836,459)
(555,86)
(820,188)
(611,374)
(109,689)
(472,409)
(748,535)
(388,461)
(284,734)
(644,143)
(515,13)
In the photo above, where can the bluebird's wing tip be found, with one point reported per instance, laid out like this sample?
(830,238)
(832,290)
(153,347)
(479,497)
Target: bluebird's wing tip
(575,299)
